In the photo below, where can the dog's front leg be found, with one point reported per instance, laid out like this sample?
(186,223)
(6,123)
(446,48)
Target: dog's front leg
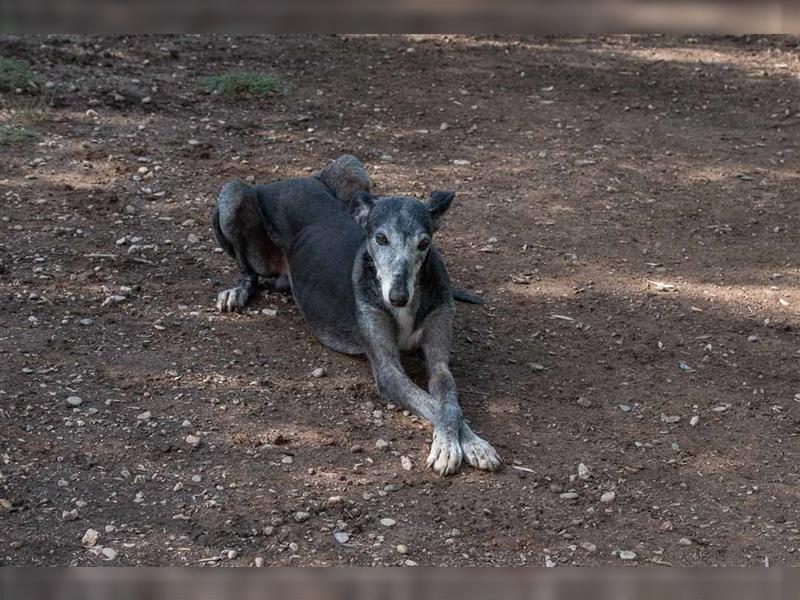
(394,385)
(436,345)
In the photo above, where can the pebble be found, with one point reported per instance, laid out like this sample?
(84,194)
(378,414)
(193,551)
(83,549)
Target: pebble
(231,554)
(69,515)
(342,537)
(192,238)
(193,441)
(318,372)
(405,462)
(86,322)
(752,338)
(460,162)
(259,562)
(627,555)
(381,444)
(584,402)
(301,516)
(608,497)
(583,472)
(624,408)
(145,416)
(90,538)
(109,553)
(685,541)
(694,420)
(74,401)
(402,549)
(569,496)
(387,522)
(666,526)
(588,546)
(287,460)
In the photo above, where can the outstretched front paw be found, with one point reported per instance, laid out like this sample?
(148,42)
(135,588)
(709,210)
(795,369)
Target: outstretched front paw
(478,452)
(445,456)
(232,299)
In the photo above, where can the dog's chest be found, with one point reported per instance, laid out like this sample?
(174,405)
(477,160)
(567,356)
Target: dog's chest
(407,337)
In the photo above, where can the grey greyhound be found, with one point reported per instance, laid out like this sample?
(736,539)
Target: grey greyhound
(367,278)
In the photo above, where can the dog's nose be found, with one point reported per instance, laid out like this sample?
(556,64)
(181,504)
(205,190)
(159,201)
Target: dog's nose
(398,298)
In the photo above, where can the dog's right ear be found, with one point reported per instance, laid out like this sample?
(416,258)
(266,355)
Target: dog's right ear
(360,205)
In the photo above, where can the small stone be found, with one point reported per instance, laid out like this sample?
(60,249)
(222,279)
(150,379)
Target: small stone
(62,483)
(193,142)
(752,338)
(627,555)
(381,444)
(569,496)
(90,538)
(583,472)
(405,462)
(74,401)
(287,460)
(444,126)
(86,322)
(667,526)
(584,402)
(694,420)
(461,162)
(193,441)
(402,549)
(109,553)
(259,561)
(192,238)
(197,478)
(294,547)
(588,546)
(318,372)
(410,563)
(231,554)
(684,541)
(536,367)
(356,449)
(388,522)
(300,516)
(608,497)
(624,408)
(69,515)
(177,487)
(342,537)
(110,528)
(145,416)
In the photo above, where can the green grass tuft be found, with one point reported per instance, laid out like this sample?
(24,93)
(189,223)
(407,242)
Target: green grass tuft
(16,74)
(256,84)
(11,135)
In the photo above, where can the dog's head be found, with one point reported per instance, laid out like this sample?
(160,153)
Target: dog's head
(399,236)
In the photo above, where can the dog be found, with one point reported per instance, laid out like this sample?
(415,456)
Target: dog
(366,276)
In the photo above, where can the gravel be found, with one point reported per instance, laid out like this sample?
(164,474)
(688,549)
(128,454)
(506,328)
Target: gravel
(74,401)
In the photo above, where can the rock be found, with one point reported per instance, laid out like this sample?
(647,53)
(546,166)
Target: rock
(86,322)
(569,496)
(584,402)
(109,553)
(259,561)
(685,541)
(460,162)
(402,549)
(287,460)
(318,372)
(624,408)
(69,515)
(410,563)
(388,522)
(583,472)
(113,299)
(752,338)
(74,401)
(231,554)
(356,449)
(301,516)
(381,444)
(588,546)
(342,537)
(627,555)
(192,238)
(405,462)
(193,142)
(90,538)
(608,497)
(694,421)
(536,367)
(145,416)
(666,526)
(193,441)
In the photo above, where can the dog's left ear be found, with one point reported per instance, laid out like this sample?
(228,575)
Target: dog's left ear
(438,204)
(360,205)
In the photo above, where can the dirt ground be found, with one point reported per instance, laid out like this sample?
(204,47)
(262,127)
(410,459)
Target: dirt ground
(627,205)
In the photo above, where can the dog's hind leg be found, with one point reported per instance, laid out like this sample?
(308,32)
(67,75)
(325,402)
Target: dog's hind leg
(240,230)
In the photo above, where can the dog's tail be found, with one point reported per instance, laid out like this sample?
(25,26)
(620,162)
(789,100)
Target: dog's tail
(462,295)
(344,177)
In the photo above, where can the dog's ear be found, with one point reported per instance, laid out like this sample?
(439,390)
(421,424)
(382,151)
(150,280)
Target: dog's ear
(361,204)
(438,204)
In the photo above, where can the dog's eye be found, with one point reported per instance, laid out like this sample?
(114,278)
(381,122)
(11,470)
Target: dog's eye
(423,244)
(381,239)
